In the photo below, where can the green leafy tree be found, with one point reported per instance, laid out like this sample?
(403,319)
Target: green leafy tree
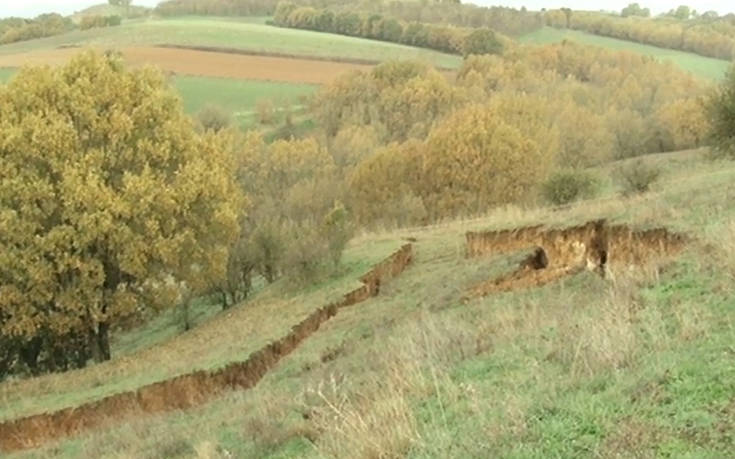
(634,9)
(482,41)
(109,200)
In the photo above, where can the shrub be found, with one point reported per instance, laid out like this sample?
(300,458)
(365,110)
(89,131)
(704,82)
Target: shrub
(113,21)
(214,118)
(720,107)
(567,186)
(92,21)
(637,177)
(266,111)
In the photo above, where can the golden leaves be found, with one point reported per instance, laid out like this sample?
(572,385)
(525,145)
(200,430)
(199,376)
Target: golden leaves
(103,185)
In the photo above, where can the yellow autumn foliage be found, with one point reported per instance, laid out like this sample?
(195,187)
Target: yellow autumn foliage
(485,155)
(107,197)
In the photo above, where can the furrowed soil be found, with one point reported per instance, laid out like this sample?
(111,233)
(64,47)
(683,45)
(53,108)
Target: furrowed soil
(207,63)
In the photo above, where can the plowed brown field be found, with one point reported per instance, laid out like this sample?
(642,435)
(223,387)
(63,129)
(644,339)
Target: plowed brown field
(206,63)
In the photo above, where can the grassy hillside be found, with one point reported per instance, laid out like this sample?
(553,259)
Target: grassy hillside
(249,34)
(635,366)
(698,65)
(237,96)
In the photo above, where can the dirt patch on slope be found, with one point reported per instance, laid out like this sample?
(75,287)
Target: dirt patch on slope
(207,63)
(195,388)
(595,246)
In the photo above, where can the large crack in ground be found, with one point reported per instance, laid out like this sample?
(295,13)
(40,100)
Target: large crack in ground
(195,388)
(557,253)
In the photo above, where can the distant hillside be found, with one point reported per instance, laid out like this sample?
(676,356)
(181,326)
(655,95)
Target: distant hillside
(701,66)
(105,9)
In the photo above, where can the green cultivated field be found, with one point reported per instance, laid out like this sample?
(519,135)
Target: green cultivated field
(249,34)
(640,365)
(237,96)
(698,65)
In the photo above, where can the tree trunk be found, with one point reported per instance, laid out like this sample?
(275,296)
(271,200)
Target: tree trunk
(225,304)
(185,315)
(30,352)
(102,342)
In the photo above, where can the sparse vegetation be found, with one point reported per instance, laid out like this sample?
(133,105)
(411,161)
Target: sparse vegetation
(637,177)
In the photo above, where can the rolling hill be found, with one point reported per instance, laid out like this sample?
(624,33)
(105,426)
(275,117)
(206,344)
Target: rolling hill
(571,368)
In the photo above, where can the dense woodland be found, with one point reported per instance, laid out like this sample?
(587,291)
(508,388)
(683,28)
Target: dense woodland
(507,21)
(445,38)
(230,7)
(706,34)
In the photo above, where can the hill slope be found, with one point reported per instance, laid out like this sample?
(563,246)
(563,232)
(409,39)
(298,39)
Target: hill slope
(634,364)
(698,65)
(246,34)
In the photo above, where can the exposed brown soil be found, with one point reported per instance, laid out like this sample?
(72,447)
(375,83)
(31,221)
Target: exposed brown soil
(595,246)
(195,388)
(210,63)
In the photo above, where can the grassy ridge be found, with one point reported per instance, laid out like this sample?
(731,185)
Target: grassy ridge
(698,65)
(246,34)
(639,366)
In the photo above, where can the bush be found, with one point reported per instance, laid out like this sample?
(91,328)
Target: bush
(266,111)
(214,118)
(637,177)
(568,186)
(113,21)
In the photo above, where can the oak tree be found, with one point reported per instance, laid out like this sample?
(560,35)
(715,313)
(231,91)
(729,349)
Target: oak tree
(108,199)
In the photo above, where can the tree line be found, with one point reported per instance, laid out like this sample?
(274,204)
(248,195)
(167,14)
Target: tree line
(508,21)
(45,25)
(707,35)
(229,7)
(505,20)
(444,38)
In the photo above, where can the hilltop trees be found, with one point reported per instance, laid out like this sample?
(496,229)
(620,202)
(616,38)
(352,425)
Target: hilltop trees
(109,201)
(634,9)
(680,29)
(366,24)
(44,25)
